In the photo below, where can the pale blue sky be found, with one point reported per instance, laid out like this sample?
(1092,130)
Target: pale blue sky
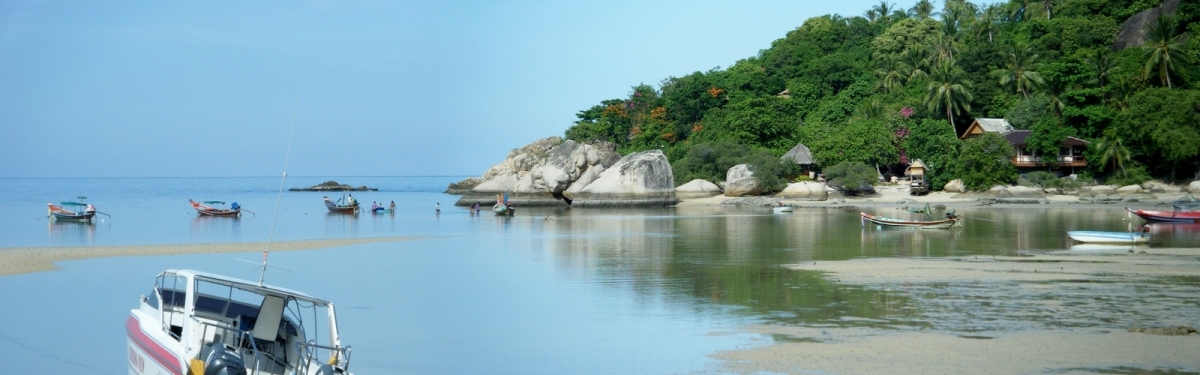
(385,88)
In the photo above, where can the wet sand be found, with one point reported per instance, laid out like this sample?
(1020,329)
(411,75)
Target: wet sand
(1063,312)
(21,260)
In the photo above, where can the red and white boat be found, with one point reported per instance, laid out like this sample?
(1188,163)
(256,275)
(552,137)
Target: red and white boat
(206,210)
(199,323)
(1167,216)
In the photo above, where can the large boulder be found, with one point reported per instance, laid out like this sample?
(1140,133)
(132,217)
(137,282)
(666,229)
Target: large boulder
(810,190)
(955,186)
(542,173)
(696,189)
(1020,192)
(1130,189)
(1101,190)
(740,181)
(638,179)
(1194,187)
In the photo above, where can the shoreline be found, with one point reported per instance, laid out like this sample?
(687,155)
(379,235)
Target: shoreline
(898,196)
(1099,299)
(22,260)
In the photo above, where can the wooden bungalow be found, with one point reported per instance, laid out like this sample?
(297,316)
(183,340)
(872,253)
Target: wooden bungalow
(916,170)
(1069,158)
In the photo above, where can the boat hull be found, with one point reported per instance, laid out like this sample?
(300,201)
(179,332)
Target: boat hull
(781,209)
(503,210)
(1168,216)
(896,223)
(149,354)
(61,214)
(1087,236)
(334,208)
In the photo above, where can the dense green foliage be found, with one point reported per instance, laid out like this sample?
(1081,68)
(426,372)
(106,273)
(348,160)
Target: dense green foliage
(711,161)
(851,177)
(985,161)
(900,83)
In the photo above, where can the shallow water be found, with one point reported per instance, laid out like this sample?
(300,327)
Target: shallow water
(548,291)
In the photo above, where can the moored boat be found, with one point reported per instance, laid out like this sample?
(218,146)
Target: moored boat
(1167,216)
(83,211)
(1093,236)
(199,323)
(206,210)
(781,209)
(350,207)
(946,223)
(502,209)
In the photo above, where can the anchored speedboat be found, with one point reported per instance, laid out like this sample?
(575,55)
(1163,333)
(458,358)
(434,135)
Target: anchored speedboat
(199,323)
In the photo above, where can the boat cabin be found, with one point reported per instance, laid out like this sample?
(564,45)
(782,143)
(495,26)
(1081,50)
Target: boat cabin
(194,320)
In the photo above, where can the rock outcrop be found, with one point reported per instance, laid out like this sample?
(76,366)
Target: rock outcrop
(955,186)
(1134,30)
(740,181)
(1194,187)
(334,186)
(638,179)
(696,189)
(808,190)
(543,173)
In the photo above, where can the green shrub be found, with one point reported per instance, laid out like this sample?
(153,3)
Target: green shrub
(850,176)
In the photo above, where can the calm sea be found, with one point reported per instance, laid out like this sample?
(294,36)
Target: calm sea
(549,291)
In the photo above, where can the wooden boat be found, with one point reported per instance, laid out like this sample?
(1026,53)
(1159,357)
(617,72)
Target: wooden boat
(85,212)
(1167,216)
(206,210)
(502,209)
(1091,236)
(947,223)
(199,323)
(351,207)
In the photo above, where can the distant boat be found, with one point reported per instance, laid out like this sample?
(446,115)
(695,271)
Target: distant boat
(351,207)
(85,212)
(781,209)
(1167,216)
(1091,236)
(382,210)
(502,209)
(205,210)
(916,224)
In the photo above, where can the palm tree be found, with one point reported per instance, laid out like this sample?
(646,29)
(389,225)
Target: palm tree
(913,65)
(884,10)
(1048,6)
(871,15)
(948,90)
(1019,70)
(1163,47)
(1112,149)
(989,21)
(922,9)
(1019,9)
(1101,60)
(891,74)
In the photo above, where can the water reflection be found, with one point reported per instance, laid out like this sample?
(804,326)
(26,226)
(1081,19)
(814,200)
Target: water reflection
(341,225)
(72,233)
(214,227)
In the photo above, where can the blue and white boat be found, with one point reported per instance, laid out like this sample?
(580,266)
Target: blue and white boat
(1091,236)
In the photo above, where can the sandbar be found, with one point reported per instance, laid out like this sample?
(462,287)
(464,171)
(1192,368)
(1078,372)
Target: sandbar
(20,260)
(1061,312)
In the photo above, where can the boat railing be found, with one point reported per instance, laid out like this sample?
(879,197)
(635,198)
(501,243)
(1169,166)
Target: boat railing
(240,337)
(311,351)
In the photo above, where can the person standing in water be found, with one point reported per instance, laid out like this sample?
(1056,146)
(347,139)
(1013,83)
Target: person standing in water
(437,208)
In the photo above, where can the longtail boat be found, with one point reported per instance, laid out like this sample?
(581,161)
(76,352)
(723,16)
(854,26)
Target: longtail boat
(351,207)
(947,223)
(502,209)
(1167,216)
(206,210)
(82,211)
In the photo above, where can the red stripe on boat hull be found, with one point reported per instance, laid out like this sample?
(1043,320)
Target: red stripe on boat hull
(153,349)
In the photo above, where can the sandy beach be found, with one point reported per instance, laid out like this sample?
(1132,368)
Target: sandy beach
(21,260)
(1103,301)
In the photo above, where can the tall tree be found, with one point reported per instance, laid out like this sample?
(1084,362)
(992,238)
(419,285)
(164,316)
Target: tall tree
(914,65)
(1102,63)
(989,21)
(884,10)
(922,9)
(891,73)
(1019,71)
(1164,46)
(1112,149)
(948,90)
(1018,10)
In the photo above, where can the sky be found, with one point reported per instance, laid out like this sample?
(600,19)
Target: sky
(357,88)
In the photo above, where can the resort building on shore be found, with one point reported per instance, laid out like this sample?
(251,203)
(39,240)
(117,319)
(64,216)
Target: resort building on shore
(1070,154)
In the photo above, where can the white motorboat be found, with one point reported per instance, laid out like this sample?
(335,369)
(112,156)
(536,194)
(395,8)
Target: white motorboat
(199,323)
(1091,236)
(781,209)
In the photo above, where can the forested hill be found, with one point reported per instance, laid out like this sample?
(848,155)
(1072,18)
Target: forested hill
(884,88)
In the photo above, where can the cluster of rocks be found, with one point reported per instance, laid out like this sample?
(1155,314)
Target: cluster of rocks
(334,186)
(1182,330)
(552,172)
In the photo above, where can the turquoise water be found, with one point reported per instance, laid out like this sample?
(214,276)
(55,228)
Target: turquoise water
(550,291)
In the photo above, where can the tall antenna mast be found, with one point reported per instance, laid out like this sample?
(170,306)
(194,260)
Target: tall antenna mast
(286,160)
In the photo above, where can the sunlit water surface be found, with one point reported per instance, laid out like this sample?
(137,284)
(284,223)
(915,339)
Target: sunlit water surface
(549,291)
